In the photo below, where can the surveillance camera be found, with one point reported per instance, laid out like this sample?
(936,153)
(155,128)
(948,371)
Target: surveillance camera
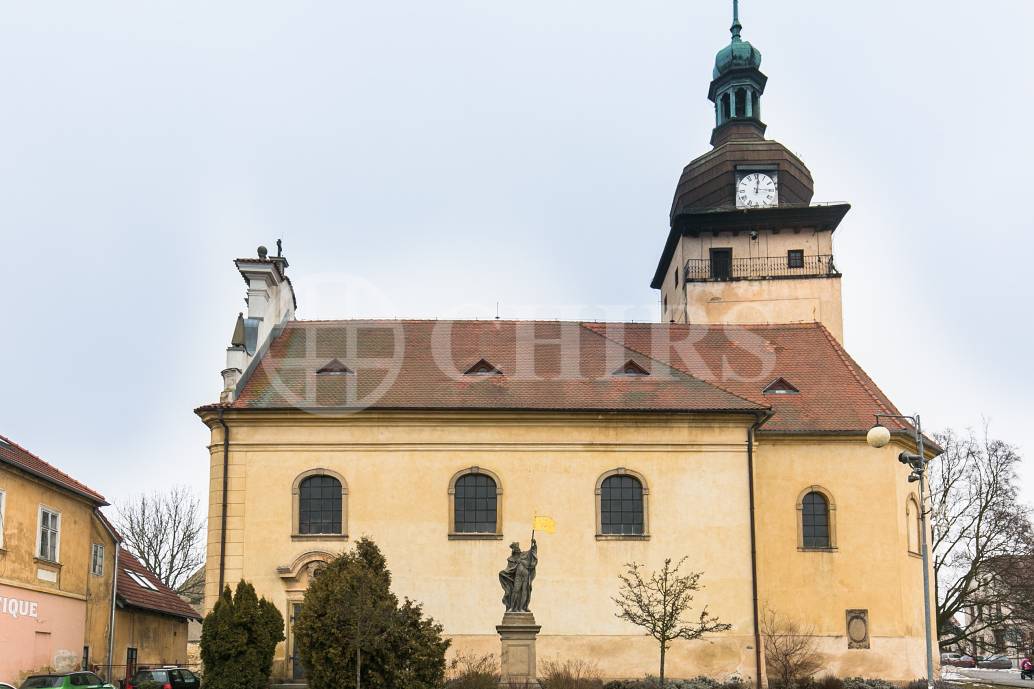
(754,235)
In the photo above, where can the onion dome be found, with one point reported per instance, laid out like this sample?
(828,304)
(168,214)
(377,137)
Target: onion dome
(739,54)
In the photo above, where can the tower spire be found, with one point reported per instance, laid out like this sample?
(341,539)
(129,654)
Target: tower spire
(736,26)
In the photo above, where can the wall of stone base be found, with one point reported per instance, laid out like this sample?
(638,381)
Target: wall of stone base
(899,659)
(619,657)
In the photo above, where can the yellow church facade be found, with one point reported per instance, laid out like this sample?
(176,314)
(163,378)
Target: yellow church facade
(732,433)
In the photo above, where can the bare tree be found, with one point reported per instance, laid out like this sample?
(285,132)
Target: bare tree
(165,531)
(658,602)
(790,651)
(981,540)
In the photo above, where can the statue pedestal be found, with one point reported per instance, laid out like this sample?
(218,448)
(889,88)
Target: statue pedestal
(517,666)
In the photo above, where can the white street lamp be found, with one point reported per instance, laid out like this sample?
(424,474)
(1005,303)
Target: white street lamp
(879,436)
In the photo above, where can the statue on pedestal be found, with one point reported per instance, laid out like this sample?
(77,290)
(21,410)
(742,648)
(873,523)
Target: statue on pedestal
(518,630)
(517,577)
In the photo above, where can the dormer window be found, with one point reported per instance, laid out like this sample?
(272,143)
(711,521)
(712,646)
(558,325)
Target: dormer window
(631,368)
(482,368)
(335,368)
(781,386)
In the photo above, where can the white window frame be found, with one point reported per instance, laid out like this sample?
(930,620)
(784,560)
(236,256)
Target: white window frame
(3,515)
(39,533)
(97,558)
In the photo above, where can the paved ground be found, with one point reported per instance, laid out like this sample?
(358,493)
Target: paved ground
(1009,678)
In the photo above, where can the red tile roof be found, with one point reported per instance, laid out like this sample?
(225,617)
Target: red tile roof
(835,394)
(419,365)
(164,600)
(16,455)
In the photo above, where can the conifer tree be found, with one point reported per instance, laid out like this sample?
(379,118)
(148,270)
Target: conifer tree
(351,631)
(238,639)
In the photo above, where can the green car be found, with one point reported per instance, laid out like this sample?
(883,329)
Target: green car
(68,680)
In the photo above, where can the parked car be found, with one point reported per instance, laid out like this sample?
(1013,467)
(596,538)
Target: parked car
(995,662)
(5,685)
(68,680)
(958,660)
(166,678)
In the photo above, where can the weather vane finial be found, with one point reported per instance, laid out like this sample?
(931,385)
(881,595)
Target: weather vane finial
(736,26)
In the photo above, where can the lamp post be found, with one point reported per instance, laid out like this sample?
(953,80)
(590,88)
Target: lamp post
(879,436)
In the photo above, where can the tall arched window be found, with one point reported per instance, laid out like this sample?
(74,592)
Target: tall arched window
(913,524)
(621,498)
(815,520)
(475,503)
(741,102)
(319,505)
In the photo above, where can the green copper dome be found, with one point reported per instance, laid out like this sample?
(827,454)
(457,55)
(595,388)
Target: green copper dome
(738,54)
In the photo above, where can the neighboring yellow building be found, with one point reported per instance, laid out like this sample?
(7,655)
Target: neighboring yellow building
(56,566)
(58,558)
(151,620)
(733,434)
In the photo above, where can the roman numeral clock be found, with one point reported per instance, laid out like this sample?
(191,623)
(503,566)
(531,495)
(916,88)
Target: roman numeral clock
(758,189)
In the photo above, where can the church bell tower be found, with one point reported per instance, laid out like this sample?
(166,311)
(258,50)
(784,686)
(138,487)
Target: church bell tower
(746,244)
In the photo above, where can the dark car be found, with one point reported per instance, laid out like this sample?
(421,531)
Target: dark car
(68,680)
(995,662)
(165,678)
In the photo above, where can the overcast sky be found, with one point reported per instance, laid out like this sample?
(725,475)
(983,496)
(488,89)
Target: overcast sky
(429,159)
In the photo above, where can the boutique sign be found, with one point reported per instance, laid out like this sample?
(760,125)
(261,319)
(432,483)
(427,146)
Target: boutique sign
(18,607)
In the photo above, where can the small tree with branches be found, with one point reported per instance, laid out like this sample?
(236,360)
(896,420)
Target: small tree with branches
(658,602)
(790,650)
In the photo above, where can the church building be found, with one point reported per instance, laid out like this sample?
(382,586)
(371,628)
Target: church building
(731,431)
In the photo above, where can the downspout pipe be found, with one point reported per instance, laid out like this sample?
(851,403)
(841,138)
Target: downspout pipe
(111,621)
(117,540)
(754,546)
(226,491)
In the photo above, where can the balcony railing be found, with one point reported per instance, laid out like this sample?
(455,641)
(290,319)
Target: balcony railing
(759,268)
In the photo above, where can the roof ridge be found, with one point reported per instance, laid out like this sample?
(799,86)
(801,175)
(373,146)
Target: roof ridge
(676,368)
(56,470)
(856,371)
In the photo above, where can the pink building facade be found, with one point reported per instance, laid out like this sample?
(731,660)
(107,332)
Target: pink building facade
(38,630)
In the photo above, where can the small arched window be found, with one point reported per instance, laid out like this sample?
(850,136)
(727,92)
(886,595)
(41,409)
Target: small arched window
(741,102)
(319,505)
(475,504)
(726,109)
(815,520)
(622,509)
(913,524)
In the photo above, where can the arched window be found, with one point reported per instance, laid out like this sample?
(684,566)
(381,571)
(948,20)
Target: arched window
(741,102)
(815,520)
(621,501)
(475,504)
(913,524)
(726,109)
(319,508)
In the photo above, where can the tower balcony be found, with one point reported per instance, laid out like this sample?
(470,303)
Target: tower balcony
(722,267)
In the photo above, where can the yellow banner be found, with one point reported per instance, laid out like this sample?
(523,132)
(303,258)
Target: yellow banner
(546,524)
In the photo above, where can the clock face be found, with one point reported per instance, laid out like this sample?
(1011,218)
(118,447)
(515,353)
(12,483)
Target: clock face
(756,190)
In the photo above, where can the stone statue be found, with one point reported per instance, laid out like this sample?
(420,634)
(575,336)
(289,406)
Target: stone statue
(517,577)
